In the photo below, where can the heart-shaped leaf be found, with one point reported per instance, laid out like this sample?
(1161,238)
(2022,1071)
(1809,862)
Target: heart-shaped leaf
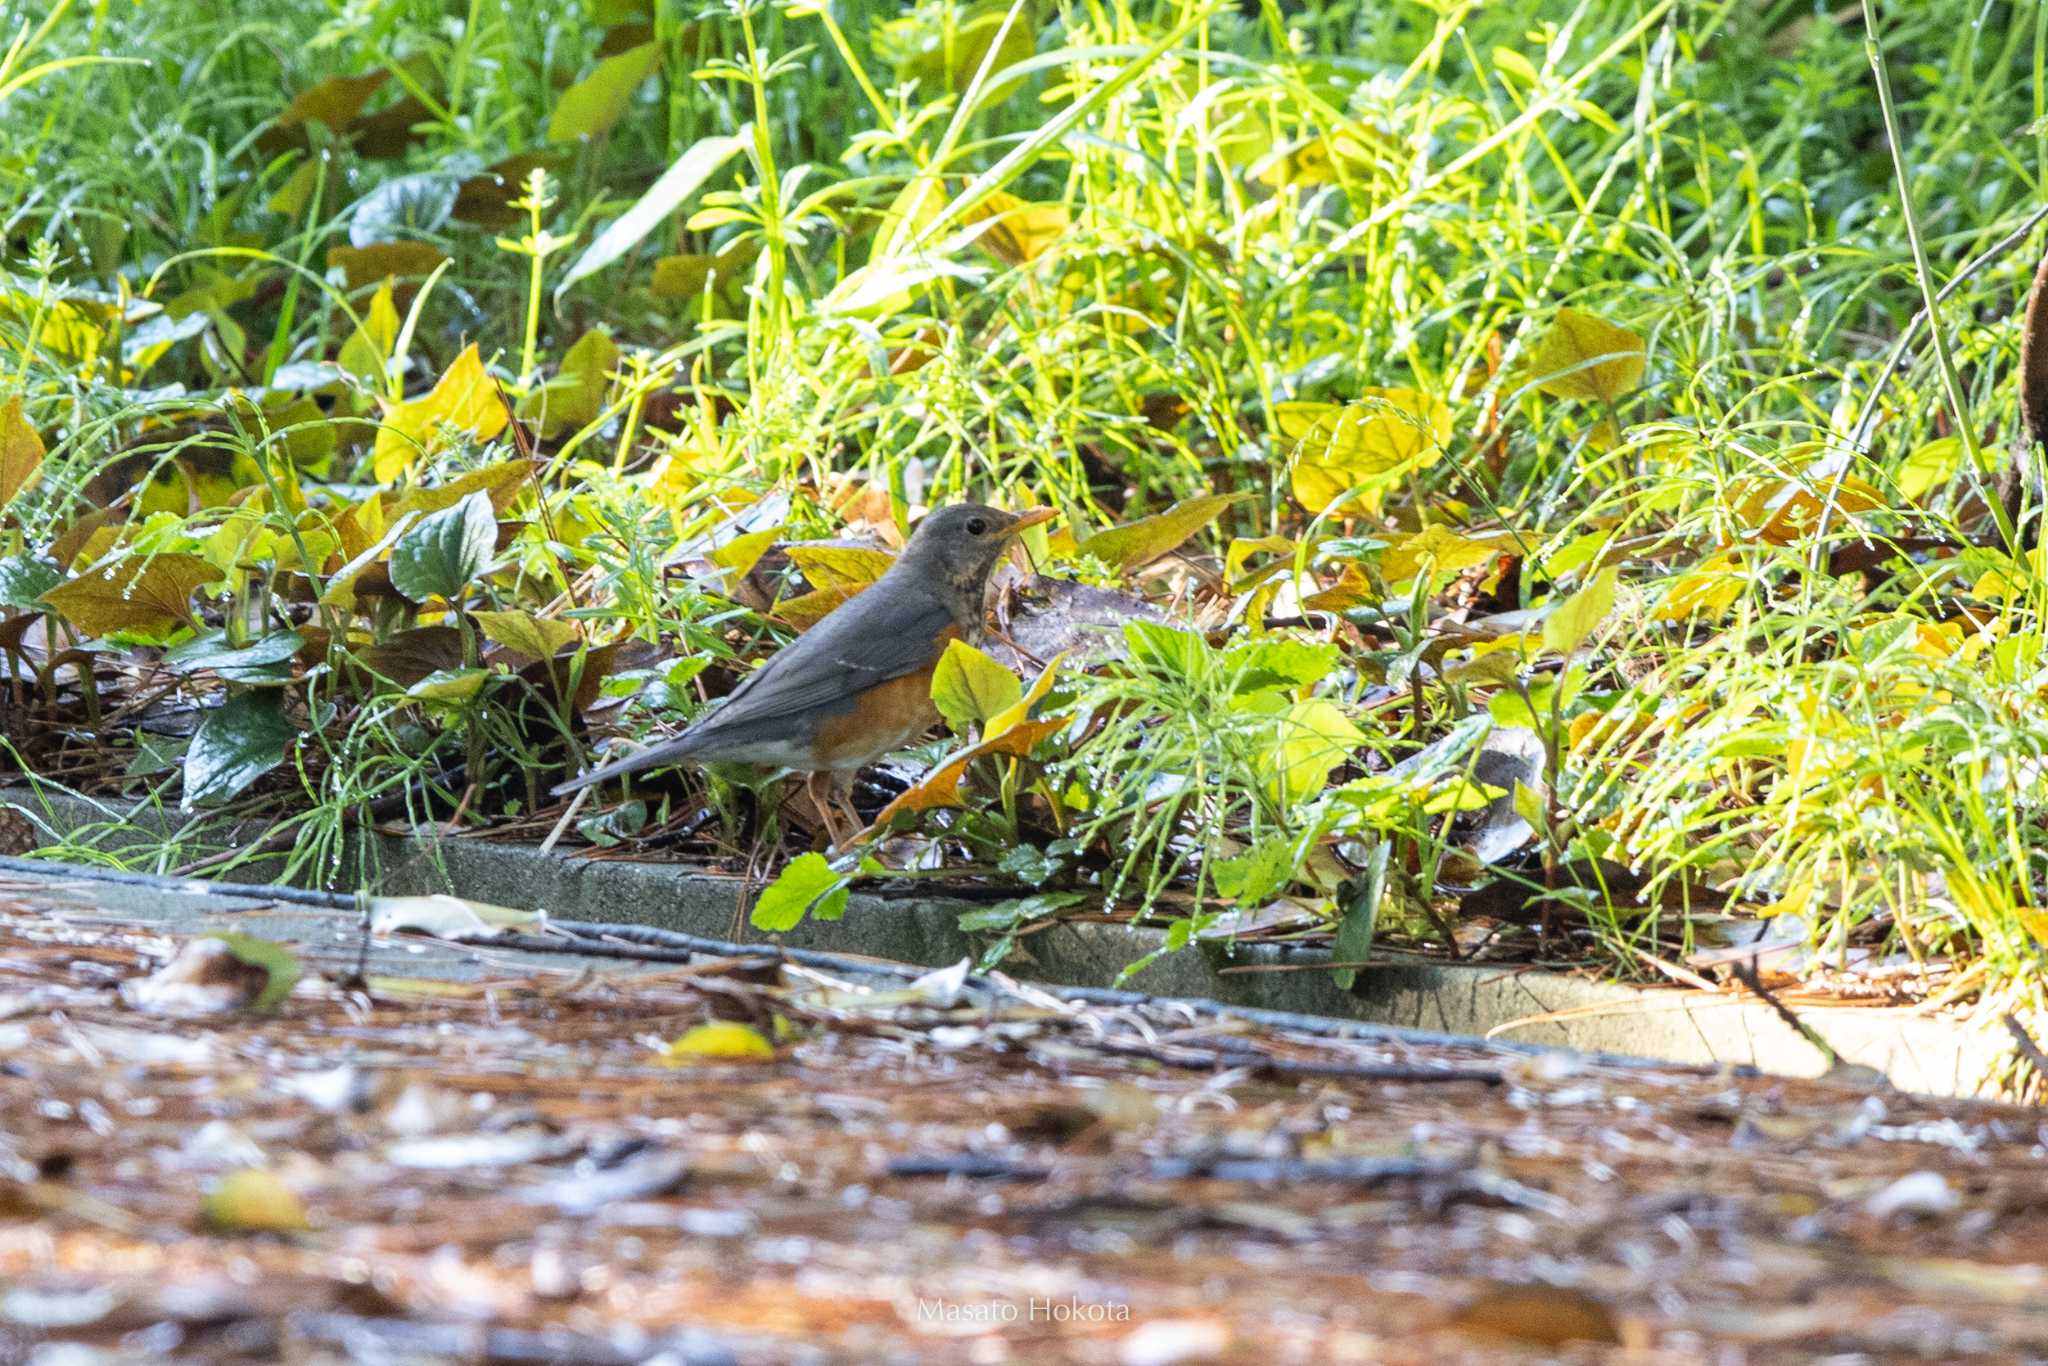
(143,593)
(446,551)
(535,637)
(237,742)
(808,881)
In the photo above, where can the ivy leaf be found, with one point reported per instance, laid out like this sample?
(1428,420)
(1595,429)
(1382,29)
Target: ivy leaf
(21,451)
(1578,616)
(446,551)
(236,743)
(681,180)
(535,637)
(808,882)
(599,100)
(1139,543)
(465,400)
(150,594)
(1252,878)
(968,686)
(1588,358)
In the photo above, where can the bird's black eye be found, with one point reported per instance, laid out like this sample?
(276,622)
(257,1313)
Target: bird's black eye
(977,526)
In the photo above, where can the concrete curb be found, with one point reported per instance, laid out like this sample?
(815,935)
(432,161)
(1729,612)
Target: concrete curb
(1930,1055)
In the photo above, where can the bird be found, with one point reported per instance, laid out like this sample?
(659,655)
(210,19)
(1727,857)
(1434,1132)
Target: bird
(858,684)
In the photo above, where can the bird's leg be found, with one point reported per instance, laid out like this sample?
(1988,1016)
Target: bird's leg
(817,787)
(841,790)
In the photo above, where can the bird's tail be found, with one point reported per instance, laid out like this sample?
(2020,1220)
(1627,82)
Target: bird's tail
(654,756)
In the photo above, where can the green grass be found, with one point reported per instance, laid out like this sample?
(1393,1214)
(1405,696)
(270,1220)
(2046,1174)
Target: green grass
(1211,215)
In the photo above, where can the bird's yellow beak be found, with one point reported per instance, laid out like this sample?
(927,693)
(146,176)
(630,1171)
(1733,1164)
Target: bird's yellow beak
(1034,517)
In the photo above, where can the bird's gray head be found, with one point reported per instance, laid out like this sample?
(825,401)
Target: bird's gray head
(956,547)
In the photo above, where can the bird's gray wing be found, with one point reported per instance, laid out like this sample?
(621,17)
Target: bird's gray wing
(850,651)
(821,672)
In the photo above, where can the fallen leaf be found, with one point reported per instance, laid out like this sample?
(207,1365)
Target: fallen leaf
(465,401)
(21,451)
(1139,543)
(718,1041)
(254,1200)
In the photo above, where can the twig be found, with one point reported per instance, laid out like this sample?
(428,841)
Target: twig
(2029,1050)
(1745,971)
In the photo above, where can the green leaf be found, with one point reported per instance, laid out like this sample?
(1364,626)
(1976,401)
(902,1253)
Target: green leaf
(664,197)
(444,552)
(575,397)
(1588,358)
(450,687)
(1276,662)
(274,958)
(1361,917)
(599,100)
(968,686)
(1314,738)
(236,743)
(808,881)
(1011,915)
(1145,540)
(211,652)
(1168,649)
(25,578)
(1578,616)
(1253,877)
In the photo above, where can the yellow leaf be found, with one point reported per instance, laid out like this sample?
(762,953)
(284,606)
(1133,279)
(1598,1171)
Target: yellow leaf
(1588,358)
(466,400)
(1139,543)
(840,566)
(1437,548)
(366,353)
(940,789)
(809,609)
(150,593)
(1022,231)
(1010,717)
(254,1200)
(536,637)
(1704,594)
(719,1041)
(689,275)
(1365,446)
(738,556)
(21,451)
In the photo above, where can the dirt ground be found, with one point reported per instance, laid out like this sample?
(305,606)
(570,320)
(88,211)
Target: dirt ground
(526,1166)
